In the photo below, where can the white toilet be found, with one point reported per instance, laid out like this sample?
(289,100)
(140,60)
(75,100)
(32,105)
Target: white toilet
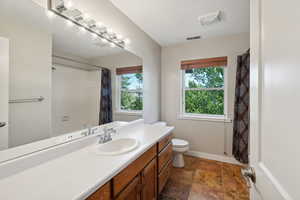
(179,147)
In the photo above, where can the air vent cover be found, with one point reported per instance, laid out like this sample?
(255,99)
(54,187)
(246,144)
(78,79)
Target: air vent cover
(194,38)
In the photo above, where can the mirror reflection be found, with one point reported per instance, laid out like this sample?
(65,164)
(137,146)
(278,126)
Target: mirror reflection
(61,78)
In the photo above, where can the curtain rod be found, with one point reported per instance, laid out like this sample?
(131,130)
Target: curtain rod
(72,60)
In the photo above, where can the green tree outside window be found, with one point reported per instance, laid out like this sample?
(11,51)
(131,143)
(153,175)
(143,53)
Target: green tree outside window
(131,92)
(204,91)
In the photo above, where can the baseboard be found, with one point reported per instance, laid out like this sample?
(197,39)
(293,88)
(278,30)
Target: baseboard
(227,159)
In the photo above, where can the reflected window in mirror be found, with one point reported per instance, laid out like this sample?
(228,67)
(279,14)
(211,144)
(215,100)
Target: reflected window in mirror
(130,89)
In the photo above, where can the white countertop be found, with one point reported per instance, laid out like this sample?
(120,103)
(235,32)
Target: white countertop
(78,174)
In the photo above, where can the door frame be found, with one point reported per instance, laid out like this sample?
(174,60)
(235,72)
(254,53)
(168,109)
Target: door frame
(266,181)
(4,70)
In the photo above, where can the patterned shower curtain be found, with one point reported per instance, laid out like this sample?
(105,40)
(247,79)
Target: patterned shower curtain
(105,115)
(241,109)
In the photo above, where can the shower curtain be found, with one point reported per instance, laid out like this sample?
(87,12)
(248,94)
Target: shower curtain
(241,109)
(105,115)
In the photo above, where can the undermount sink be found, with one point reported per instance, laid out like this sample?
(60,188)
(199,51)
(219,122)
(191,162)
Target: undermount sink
(118,146)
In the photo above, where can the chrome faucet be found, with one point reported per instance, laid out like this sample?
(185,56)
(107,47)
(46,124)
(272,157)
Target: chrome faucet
(107,135)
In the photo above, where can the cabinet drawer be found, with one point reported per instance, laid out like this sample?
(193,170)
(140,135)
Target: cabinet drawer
(164,142)
(125,176)
(102,193)
(165,156)
(164,176)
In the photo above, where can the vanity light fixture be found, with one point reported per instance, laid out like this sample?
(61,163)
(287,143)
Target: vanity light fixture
(66,9)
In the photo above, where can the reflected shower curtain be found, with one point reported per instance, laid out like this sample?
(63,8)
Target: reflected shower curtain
(105,115)
(241,109)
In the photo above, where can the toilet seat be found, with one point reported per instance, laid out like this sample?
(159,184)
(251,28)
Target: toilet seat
(178,143)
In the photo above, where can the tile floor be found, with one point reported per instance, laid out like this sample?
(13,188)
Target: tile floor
(203,179)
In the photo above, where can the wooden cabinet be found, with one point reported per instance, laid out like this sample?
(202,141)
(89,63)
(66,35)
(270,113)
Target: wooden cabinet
(125,176)
(132,191)
(102,193)
(149,181)
(143,179)
(143,186)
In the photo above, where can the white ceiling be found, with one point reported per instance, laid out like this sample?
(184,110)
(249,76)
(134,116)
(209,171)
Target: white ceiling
(172,21)
(68,40)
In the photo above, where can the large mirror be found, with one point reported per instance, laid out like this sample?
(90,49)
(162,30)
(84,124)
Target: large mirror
(57,76)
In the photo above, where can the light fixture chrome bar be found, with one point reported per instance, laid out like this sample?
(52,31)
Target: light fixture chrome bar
(103,33)
(38,99)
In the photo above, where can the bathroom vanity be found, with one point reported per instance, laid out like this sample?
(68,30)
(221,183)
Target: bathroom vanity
(144,178)
(76,171)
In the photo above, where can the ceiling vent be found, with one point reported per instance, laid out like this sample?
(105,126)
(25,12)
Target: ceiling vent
(210,18)
(194,38)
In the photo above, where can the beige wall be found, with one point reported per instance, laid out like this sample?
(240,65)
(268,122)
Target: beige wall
(112,62)
(141,45)
(30,76)
(204,136)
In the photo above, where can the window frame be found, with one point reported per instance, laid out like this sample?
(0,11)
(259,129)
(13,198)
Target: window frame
(118,98)
(210,117)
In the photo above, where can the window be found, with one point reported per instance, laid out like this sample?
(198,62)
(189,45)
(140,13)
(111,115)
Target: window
(203,88)
(130,89)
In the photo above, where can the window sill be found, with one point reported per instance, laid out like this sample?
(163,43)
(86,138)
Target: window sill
(132,113)
(210,118)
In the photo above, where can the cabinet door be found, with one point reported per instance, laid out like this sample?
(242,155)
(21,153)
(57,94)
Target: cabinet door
(149,181)
(132,191)
(101,194)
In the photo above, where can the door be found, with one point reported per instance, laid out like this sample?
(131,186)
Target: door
(274,99)
(132,191)
(149,181)
(4,68)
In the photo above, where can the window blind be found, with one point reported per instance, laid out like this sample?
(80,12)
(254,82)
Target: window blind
(207,62)
(129,70)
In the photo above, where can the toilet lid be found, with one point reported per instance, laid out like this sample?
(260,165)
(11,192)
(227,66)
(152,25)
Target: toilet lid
(179,143)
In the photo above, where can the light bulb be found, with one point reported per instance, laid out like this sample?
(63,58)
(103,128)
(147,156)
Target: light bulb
(119,36)
(127,41)
(99,24)
(86,16)
(109,30)
(69,4)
